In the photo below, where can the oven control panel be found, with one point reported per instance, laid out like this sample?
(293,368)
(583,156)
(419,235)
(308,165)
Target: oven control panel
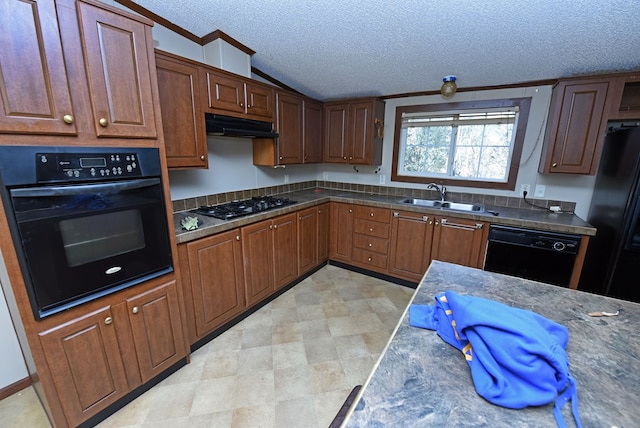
(81,166)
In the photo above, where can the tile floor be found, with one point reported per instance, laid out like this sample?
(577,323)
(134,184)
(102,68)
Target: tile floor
(290,364)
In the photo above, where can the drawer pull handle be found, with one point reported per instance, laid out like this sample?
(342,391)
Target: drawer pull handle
(108,320)
(423,218)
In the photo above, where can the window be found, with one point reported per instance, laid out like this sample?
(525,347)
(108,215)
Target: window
(475,144)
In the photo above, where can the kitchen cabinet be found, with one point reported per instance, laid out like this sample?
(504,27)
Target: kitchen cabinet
(298,123)
(237,96)
(410,253)
(324,218)
(182,116)
(459,241)
(97,358)
(353,131)
(625,97)
(576,126)
(213,281)
(341,241)
(313,239)
(88,71)
(269,250)
(371,231)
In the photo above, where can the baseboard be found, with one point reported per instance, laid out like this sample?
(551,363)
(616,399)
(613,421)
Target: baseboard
(15,387)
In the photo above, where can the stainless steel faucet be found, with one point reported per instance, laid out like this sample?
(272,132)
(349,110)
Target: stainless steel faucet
(442,191)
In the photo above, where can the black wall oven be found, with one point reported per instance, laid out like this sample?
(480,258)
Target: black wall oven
(85,222)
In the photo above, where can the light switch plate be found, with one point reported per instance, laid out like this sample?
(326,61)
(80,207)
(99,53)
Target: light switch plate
(540,189)
(383,179)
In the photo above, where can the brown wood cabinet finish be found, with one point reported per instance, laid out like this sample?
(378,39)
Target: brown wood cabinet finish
(575,128)
(459,241)
(624,95)
(410,253)
(182,115)
(216,281)
(350,131)
(312,124)
(257,252)
(236,96)
(118,72)
(308,238)
(285,249)
(35,89)
(341,242)
(84,360)
(324,216)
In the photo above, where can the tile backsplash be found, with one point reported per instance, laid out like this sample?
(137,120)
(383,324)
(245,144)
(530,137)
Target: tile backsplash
(490,200)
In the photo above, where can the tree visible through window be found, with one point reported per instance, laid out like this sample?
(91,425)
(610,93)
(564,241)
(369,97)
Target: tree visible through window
(472,145)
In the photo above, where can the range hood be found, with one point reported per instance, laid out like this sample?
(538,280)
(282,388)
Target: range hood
(228,126)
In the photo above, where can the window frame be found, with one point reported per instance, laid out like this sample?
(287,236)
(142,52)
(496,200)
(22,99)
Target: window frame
(523,105)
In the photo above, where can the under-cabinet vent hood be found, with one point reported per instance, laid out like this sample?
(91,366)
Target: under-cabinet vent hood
(228,126)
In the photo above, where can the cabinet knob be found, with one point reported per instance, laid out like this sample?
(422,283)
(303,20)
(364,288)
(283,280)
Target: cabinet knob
(370,245)
(350,211)
(437,223)
(202,158)
(275,227)
(280,157)
(108,320)
(370,214)
(248,105)
(103,122)
(479,225)
(345,158)
(237,237)
(371,229)
(270,227)
(555,164)
(369,259)
(67,118)
(241,104)
(135,310)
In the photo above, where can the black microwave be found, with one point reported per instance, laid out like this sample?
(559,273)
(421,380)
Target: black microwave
(85,222)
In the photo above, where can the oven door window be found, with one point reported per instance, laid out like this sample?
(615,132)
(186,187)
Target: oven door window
(81,242)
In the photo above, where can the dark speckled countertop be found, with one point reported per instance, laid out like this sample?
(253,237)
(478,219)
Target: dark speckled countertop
(533,219)
(421,381)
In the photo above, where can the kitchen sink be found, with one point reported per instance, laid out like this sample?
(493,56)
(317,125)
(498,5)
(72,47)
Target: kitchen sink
(446,205)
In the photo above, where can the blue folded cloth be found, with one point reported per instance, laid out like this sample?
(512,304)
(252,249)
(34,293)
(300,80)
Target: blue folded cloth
(517,357)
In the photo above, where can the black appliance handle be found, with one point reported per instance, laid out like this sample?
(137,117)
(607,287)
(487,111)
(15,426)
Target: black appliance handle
(78,189)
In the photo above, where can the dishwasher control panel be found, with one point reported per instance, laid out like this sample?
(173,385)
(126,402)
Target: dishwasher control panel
(560,242)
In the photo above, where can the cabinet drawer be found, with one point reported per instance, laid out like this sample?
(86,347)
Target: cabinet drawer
(371,228)
(382,215)
(371,243)
(369,258)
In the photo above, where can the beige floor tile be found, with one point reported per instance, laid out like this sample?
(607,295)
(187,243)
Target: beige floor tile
(286,333)
(320,350)
(260,416)
(214,395)
(328,376)
(253,337)
(343,326)
(289,355)
(298,412)
(255,388)
(255,359)
(293,382)
(314,329)
(328,404)
(171,401)
(352,346)
(221,363)
(335,309)
(310,312)
(357,369)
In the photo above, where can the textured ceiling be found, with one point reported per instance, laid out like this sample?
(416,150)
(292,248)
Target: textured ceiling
(342,48)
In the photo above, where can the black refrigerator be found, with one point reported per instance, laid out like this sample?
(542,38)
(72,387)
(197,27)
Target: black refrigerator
(612,265)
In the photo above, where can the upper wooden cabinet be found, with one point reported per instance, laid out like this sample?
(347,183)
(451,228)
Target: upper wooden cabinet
(237,96)
(118,72)
(182,116)
(576,126)
(34,86)
(67,71)
(353,131)
(625,97)
(299,125)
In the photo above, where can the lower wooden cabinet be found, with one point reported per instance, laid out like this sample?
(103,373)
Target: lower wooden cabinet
(313,237)
(324,221)
(214,289)
(341,242)
(97,358)
(410,254)
(459,241)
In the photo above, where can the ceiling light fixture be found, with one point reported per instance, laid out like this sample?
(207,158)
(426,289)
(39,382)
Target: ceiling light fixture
(449,86)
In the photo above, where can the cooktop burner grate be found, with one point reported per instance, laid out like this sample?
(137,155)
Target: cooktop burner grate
(235,209)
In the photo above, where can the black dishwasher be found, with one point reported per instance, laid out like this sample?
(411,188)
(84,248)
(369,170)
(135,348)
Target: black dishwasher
(532,254)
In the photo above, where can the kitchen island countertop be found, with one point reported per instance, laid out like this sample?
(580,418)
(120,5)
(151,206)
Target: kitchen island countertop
(518,217)
(420,380)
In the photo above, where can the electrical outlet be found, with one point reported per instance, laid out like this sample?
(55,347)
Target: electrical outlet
(286,179)
(383,179)
(524,188)
(325,175)
(540,189)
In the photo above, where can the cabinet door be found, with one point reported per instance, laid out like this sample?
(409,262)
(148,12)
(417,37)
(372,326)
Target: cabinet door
(285,247)
(341,243)
(260,102)
(117,63)
(308,238)
(324,214)
(361,132)
(157,329)
(289,127)
(84,360)
(34,89)
(574,134)
(459,241)
(257,254)
(336,144)
(223,92)
(217,280)
(182,116)
(312,138)
(410,252)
